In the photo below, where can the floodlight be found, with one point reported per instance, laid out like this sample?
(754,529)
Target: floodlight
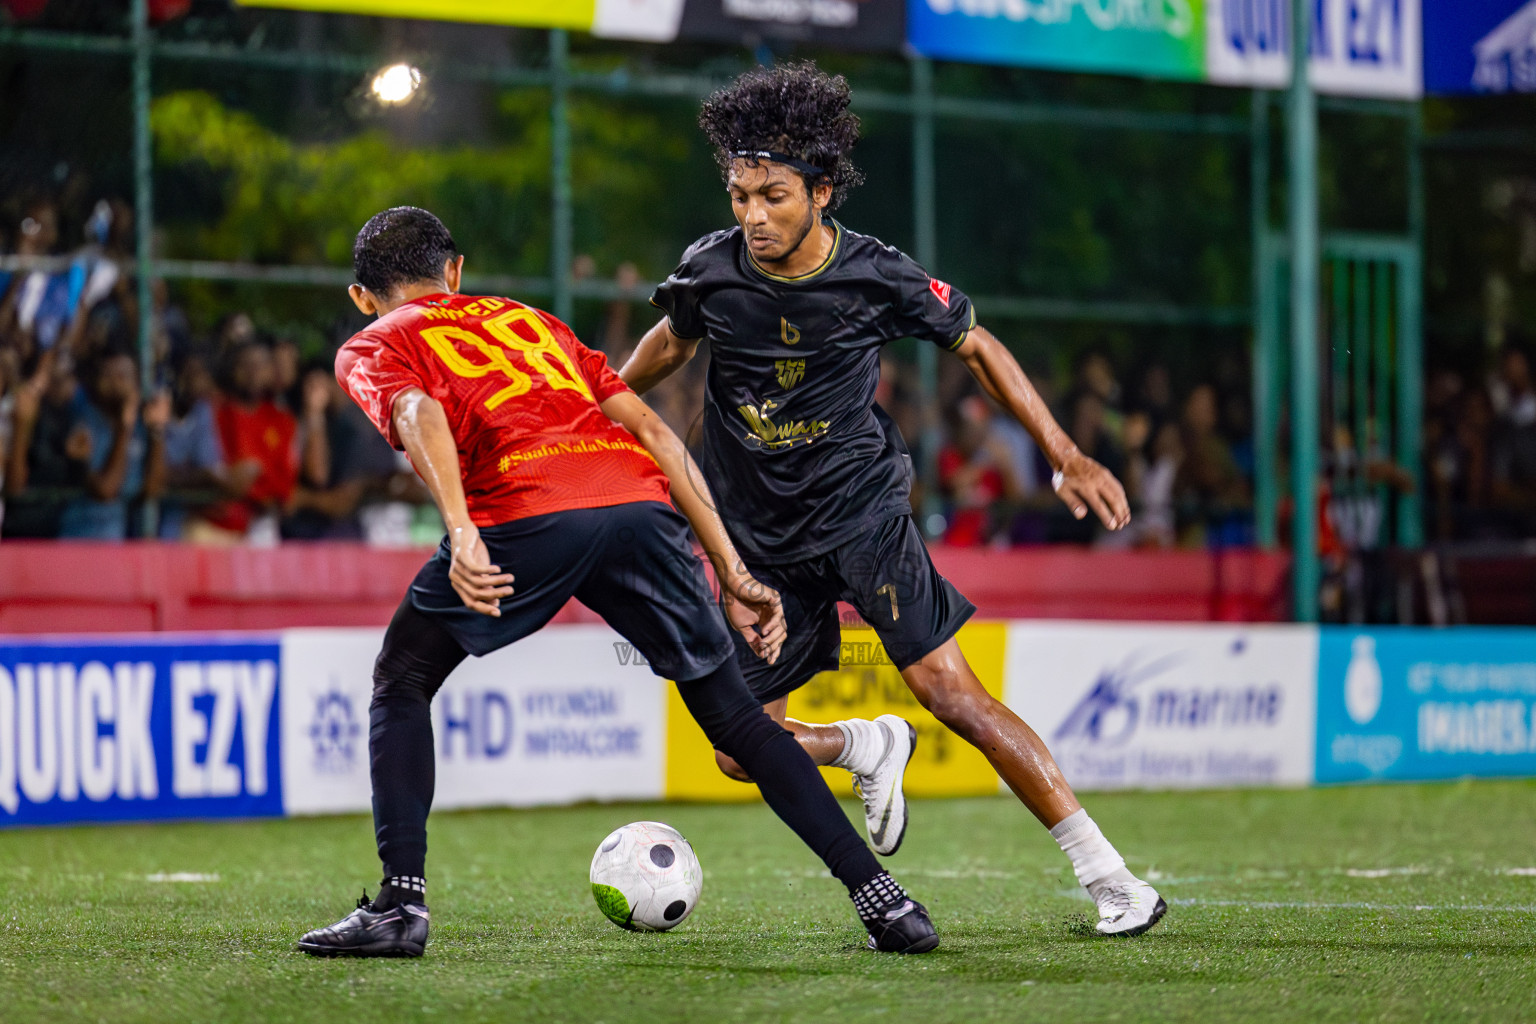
(396,84)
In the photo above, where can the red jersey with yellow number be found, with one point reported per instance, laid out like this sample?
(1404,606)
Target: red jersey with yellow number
(521,395)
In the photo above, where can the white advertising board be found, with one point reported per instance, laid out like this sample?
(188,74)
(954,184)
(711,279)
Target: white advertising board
(1359,47)
(555,718)
(1155,707)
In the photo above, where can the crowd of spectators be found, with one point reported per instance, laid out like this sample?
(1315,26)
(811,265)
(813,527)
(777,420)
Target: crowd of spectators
(237,436)
(1186,459)
(1480,451)
(230,437)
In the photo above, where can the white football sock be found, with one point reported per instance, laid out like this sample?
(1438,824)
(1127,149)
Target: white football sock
(1094,858)
(864,744)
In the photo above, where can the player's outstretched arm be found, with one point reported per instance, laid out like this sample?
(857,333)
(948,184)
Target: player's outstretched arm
(753,607)
(423,429)
(1079,481)
(659,355)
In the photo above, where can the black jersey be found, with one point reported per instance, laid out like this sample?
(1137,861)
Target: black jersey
(797,453)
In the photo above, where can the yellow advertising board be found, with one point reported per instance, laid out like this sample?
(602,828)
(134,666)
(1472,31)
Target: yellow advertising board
(865,686)
(575,14)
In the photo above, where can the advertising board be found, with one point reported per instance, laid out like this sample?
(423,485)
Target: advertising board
(1158,707)
(1484,46)
(1157,38)
(1358,47)
(1425,703)
(866,685)
(555,718)
(136,729)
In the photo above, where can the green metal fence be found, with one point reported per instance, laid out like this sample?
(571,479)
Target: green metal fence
(1381,271)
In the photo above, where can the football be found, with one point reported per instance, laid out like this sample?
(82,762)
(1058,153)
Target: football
(645,877)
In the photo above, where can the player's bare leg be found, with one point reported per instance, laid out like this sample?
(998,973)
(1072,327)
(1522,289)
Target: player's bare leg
(945,684)
(876,752)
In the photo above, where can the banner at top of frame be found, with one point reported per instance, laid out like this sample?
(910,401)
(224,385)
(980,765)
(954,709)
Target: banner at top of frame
(847,24)
(1156,38)
(649,20)
(1486,46)
(1359,47)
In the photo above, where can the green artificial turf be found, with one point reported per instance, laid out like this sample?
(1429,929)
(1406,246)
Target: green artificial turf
(1379,903)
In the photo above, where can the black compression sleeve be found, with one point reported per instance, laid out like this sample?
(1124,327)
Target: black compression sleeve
(739,727)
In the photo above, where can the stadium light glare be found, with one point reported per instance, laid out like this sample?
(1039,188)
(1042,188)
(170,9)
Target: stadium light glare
(396,84)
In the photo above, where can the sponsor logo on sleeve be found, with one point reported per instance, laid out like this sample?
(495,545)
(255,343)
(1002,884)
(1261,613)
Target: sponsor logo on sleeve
(940,290)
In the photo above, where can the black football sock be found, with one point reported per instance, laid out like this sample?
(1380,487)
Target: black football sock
(738,726)
(403,771)
(875,895)
(398,889)
(418,655)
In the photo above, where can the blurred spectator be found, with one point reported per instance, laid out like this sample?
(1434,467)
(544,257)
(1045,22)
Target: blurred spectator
(119,455)
(260,443)
(8,373)
(1458,434)
(977,476)
(287,391)
(1093,412)
(346,460)
(194,458)
(43,412)
(43,299)
(1151,466)
(1513,466)
(1209,487)
(1154,396)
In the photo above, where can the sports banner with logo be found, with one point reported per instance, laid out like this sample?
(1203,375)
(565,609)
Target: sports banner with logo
(1425,704)
(654,20)
(866,685)
(214,726)
(1359,47)
(1157,38)
(115,729)
(1164,707)
(846,24)
(1486,46)
(564,715)
(850,24)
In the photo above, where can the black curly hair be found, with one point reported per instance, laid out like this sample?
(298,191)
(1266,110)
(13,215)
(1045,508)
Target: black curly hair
(401,246)
(793,108)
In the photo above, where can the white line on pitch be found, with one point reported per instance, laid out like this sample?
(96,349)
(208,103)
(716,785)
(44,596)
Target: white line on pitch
(1309,905)
(181,876)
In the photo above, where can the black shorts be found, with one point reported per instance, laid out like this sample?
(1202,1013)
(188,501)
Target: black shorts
(887,575)
(632,564)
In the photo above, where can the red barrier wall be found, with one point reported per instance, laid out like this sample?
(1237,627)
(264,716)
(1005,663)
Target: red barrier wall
(114,588)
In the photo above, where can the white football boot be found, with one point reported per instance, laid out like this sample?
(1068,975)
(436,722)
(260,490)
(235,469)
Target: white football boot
(885,804)
(1128,908)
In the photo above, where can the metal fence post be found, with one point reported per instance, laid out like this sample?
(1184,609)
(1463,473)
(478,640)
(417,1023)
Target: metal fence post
(144,221)
(925,236)
(1410,344)
(143,191)
(560,254)
(1302,130)
(1266,332)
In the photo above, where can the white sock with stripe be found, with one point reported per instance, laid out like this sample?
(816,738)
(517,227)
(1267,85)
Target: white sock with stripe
(1095,860)
(864,744)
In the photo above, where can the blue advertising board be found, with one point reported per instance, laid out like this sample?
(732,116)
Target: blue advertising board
(1486,46)
(1165,39)
(141,729)
(1425,703)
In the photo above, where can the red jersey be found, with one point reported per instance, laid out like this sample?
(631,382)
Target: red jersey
(264,434)
(521,395)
